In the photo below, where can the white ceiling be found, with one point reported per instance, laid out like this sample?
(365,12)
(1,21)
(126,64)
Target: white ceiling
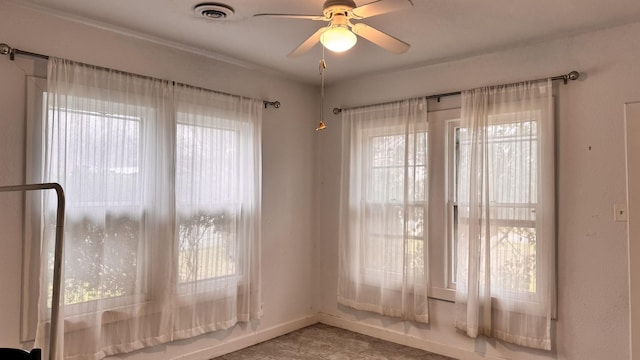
(437,30)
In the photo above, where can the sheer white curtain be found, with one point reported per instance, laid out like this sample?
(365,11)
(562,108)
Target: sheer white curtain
(218,194)
(162,231)
(383,205)
(506,221)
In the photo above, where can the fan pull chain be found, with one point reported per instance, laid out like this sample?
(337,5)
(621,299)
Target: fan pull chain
(321,67)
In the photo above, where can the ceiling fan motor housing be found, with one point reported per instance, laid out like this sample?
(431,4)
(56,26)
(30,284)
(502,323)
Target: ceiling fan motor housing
(332,7)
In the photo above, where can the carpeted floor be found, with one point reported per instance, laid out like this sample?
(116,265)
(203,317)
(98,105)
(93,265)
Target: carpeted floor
(321,342)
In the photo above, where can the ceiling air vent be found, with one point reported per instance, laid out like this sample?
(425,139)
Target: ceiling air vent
(214,11)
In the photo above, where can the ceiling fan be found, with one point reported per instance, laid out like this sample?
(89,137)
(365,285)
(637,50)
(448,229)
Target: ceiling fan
(339,35)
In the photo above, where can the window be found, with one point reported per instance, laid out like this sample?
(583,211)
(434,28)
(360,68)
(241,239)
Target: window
(104,208)
(105,172)
(383,210)
(444,118)
(512,148)
(503,213)
(208,235)
(162,184)
(397,169)
(409,203)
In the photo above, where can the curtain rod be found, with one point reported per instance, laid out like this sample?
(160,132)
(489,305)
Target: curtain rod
(574,75)
(12,52)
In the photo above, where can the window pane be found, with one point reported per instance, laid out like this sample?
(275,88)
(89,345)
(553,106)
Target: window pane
(207,197)
(396,200)
(97,156)
(512,188)
(512,158)
(207,246)
(388,150)
(384,255)
(101,259)
(513,258)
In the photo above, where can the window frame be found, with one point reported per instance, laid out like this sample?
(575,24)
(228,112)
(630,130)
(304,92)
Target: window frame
(441,116)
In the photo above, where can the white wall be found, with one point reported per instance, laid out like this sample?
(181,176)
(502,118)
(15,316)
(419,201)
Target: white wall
(593,315)
(288,138)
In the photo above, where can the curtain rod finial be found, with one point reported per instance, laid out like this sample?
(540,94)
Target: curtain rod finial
(4,49)
(574,75)
(275,104)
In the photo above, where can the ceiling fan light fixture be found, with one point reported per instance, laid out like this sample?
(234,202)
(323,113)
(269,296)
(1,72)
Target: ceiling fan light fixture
(338,38)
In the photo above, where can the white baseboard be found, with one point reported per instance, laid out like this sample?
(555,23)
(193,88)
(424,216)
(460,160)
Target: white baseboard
(403,339)
(247,340)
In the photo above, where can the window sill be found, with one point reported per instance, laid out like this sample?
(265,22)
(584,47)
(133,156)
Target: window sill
(437,293)
(449,295)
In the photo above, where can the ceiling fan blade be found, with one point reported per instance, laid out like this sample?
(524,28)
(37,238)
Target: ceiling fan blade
(380,38)
(380,7)
(308,44)
(293,16)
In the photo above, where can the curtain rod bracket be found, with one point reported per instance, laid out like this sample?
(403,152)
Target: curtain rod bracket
(275,104)
(337,111)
